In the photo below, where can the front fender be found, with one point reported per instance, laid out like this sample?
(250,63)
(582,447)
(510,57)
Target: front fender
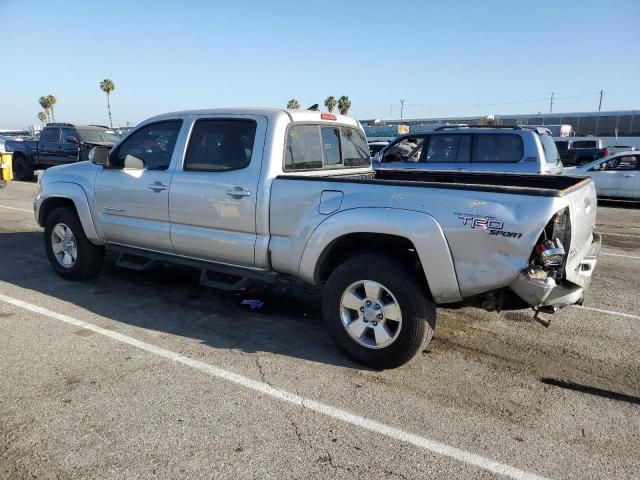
(420,228)
(73,192)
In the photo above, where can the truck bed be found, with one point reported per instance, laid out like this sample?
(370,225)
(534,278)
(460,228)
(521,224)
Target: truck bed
(521,184)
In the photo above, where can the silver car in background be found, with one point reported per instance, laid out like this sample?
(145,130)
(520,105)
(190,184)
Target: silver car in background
(615,176)
(512,149)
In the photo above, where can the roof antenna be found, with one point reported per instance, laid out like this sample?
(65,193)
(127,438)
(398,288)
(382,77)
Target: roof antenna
(313,108)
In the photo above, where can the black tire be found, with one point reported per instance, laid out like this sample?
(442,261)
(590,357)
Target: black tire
(417,310)
(89,257)
(22,170)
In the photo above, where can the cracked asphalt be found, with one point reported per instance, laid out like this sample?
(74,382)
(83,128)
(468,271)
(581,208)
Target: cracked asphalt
(559,402)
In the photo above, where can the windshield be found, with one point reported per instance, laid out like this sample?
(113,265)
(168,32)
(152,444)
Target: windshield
(550,149)
(95,135)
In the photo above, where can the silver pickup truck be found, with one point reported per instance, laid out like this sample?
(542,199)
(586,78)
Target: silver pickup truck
(249,194)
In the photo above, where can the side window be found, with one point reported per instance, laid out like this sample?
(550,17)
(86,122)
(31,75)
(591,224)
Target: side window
(149,148)
(303,149)
(497,148)
(50,135)
(406,150)
(355,151)
(448,148)
(220,145)
(621,163)
(331,145)
(68,132)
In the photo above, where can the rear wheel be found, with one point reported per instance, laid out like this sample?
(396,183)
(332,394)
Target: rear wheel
(21,169)
(376,310)
(70,253)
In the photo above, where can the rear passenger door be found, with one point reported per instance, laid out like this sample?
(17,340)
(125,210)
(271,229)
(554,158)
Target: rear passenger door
(68,151)
(212,201)
(499,152)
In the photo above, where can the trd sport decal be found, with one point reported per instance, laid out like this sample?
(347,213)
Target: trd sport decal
(491,225)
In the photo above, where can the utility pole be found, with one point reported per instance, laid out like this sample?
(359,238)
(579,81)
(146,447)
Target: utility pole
(551,103)
(600,104)
(402,107)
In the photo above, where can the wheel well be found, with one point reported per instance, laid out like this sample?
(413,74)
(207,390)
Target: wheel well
(51,204)
(358,243)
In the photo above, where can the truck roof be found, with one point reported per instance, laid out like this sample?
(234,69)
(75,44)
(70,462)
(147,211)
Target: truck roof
(271,113)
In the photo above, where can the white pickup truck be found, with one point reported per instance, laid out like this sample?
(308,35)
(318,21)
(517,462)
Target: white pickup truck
(250,194)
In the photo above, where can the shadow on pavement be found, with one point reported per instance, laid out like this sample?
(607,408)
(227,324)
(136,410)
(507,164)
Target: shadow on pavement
(170,299)
(622,397)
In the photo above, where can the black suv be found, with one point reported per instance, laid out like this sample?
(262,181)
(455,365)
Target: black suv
(59,143)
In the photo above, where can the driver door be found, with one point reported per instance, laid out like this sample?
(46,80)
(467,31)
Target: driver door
(132,192)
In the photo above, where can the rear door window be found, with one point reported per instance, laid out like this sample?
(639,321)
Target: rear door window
(50,135)
(497,148)
(220,145)
(448,149)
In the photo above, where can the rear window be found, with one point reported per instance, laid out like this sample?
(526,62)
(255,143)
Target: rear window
(498,148)
(584,144)
(313,147)
(550,150)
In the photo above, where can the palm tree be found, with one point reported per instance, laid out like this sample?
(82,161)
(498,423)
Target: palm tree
(44,103)
(42,116)
(344,104)
(107,86)
(330,103)
(51,101)
(293,104)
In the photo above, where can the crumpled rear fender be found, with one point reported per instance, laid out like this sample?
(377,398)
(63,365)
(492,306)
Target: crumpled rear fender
(421,229)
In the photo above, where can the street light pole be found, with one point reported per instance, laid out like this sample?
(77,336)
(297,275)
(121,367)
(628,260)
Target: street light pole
(401,107)
(600,104)
(551,103)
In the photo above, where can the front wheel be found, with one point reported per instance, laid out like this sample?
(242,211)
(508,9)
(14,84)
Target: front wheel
(70,253)
(376,310)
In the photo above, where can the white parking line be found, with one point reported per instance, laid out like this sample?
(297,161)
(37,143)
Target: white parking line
(611,312)
(618,255)
(284,396)
(19,209)
(617,234)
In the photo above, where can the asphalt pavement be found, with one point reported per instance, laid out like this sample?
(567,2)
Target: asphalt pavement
(150,375)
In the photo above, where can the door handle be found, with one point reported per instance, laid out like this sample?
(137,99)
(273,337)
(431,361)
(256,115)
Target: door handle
(157,186)
(238,192)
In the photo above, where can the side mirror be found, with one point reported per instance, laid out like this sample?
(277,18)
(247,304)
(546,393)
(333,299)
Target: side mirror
(99,156)
(377,157)
(71,140)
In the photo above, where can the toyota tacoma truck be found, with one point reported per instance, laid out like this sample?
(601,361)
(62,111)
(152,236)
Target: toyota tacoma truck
(252,194)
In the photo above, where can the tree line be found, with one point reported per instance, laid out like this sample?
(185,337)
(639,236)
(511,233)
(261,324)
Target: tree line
(343,104)
(47,103)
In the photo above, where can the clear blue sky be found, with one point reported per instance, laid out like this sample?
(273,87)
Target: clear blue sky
(445,58)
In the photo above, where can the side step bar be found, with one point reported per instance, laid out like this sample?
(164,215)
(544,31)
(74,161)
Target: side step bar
(212,274)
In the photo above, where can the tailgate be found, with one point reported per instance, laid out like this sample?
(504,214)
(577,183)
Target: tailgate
(582,210)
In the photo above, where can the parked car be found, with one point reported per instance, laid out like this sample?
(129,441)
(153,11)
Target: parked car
(512,149)
(582,152)
(246,194)
(616,176)
(59,143)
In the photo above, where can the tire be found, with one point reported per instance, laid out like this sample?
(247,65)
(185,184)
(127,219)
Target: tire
(402,287)
(88,257)
(21,169)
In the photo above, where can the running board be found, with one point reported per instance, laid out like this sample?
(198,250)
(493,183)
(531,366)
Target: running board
(212,274)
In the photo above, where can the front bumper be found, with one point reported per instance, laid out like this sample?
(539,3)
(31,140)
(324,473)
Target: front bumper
(547,292)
